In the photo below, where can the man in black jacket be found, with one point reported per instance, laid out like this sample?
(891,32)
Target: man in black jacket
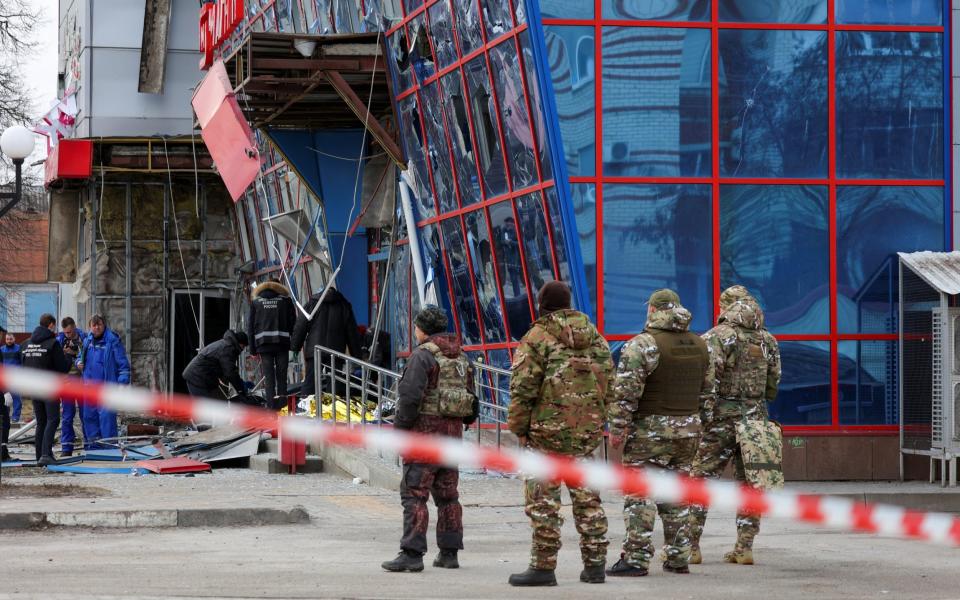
(215,362)
(43,351)
(269,326)
(334,327)
(435,397)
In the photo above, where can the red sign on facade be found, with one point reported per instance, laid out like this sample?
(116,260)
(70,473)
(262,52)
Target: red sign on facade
(218,21)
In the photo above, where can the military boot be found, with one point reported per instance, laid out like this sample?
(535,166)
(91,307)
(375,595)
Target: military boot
(622,568)
(592,574)
(678,569)
(447,559)
(405,561)
(739,556)
(533,577)
(696,557)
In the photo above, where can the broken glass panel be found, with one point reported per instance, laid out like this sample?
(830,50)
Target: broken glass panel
(661,10)
(345,15)
(413,141)
(399,53)
(559,234)
(513,115)
(381,14)
(411,5)
(401,283)
(458,127)
(441,29)
(485,128)
(463,300)
(506,242)
(438,150)
(285,17)
(480,253)
(774,11)
(496,17)
(421,55)
(468,26)
(536,240)
(535,105)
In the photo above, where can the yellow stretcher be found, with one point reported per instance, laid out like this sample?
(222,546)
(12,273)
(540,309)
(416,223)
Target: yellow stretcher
(356,408)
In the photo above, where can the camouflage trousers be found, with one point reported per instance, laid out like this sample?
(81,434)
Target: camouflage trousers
(542,502)
(718,446)
(640,513)
(418,483)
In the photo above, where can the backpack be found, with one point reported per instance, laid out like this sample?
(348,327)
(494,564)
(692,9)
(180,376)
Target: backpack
(748,371)
(450,397)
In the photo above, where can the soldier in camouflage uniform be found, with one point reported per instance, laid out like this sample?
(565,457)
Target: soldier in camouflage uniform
(435,397)
(561,377)
(747,373)
(655,418)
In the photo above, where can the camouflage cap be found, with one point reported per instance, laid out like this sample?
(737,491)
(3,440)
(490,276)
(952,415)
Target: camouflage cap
(733,294)
(664,298)
(431,320)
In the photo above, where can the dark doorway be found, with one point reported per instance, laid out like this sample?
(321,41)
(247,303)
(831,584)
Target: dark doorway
(192,313)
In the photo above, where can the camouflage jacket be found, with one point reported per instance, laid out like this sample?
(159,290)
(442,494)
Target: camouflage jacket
(638,359)
(560,380)
(740,324)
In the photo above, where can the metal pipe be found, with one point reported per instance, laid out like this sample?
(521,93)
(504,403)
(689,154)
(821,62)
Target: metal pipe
(412,236)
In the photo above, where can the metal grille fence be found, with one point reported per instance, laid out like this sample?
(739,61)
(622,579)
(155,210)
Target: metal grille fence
(918,368)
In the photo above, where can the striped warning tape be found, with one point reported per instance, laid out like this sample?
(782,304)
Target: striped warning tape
(662,486)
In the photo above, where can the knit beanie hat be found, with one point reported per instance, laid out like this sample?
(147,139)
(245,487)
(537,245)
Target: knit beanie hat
(431,320)
(553,296)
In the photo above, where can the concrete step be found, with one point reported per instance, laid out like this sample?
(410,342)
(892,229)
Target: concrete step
(269,462)
(271,446)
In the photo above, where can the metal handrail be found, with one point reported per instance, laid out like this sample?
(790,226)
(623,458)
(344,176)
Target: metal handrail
(347,378)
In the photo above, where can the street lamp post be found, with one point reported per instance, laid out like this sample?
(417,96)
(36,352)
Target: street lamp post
(17,143)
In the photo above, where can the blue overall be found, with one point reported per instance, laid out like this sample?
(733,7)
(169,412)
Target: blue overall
(11,356)
(70,408)
(105,360)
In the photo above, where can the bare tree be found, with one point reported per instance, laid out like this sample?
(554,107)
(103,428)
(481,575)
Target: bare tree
(18,25)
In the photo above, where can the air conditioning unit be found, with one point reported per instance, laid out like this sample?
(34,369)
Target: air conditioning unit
(617,152)
(945,408)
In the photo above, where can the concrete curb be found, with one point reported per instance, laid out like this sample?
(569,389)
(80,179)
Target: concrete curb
(357,463)
(212,517)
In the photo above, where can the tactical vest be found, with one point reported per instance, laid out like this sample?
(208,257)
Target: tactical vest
(674,387)
(745,373)
(450,397)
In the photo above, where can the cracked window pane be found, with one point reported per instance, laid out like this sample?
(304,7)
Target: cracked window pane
(513,115)
(535,239)
(657,10)
(411,5)
(773,108)
(468,26)
(435,274)
(774,11)
(576,99)
(441,29)
(656,102)
(915,12)
(496,17)
(535,105)
(480,253)
(458,127)
(421,54)
(381,14)
(400,54)
(463,300)
(483,111)
(438,149)
(510,267)
(413,141)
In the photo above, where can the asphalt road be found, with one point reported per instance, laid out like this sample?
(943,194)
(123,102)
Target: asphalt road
(355,527)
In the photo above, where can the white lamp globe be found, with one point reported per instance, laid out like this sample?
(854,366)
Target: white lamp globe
(17,142)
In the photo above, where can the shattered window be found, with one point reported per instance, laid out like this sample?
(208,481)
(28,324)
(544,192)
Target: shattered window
(485,128)
(496,17)
(536,240)
(460,278)
(513,115)
(458,128)
(438,150)
(506,242)
(480,254)
(774,11)
(535,104)
(468,26)
(399,53)
(411,5)
(661,10)
(421,54)
(559,239)
(413,139)
(773,108)
(441,30)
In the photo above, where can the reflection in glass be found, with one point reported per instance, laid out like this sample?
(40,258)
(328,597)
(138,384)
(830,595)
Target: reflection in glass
(868,383)
(559,235)
(915,12)
(513,115)
(463,300)
(773,104)
(413,141)
(468,26)
(438,149)
(536,240)
(804,396)
(656,236)
(656,102)
(441,29)
(535,105)
(480,254)
(774,11)
(585,211)
(564,9)
(506,243)
(773,240)
(483,111)
(889,105)
(660,10)
(458,127)
(575,102)
(873,224)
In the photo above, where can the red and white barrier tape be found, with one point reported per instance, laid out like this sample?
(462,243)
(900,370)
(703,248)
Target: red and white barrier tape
(662,486)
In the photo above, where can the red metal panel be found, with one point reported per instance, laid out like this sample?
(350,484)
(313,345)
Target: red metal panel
(181,464)
(230,141)
(69,159)
(212,91)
